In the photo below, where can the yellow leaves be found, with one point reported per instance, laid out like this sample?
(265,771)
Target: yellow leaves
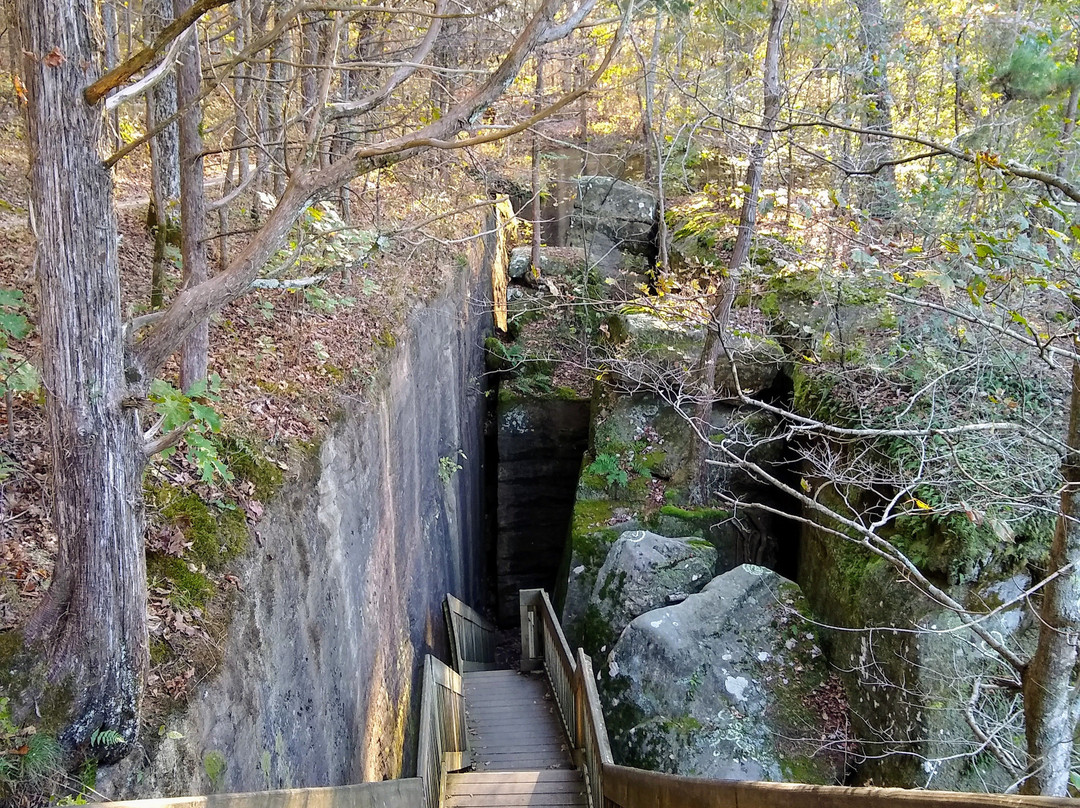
(922,506)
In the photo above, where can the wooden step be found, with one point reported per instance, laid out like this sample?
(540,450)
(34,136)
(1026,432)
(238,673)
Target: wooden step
(516,789)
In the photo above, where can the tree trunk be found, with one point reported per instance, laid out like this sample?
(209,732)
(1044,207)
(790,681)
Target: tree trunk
(164,212)
(1068,127)
(721,315)
(280,54)
(648,113)
(655,140)
(879,189)
(537,187)
(1050,699)
(192,203)
(91,625)
(111,32)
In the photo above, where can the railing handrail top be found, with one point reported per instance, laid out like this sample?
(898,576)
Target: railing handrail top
(744,791)
(562,644)
(463,609)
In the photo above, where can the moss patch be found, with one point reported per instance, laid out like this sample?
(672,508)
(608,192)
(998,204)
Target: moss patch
(217,531)
(191,588)
(248,463)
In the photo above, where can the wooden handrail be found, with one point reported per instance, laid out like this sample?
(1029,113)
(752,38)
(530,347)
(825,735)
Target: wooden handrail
(444,740)
(625,787)
(472,637)
(386,794)
(592,738)
(544,645)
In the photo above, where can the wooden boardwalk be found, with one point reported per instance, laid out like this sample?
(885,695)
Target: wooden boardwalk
(520,753)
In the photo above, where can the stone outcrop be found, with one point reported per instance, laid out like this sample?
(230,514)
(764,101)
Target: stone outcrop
(540,443)
(622,214)
(908,667)
(658,349)
(644,571)
(635,478)
(554,262)
(729,684)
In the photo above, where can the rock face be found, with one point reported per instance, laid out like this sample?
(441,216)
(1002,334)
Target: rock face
(643,571)
(617,211)
(909,689)
(729,684)
(540,443)
(633,479)
(319,683)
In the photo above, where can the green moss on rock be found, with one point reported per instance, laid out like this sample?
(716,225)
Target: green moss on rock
(248,463)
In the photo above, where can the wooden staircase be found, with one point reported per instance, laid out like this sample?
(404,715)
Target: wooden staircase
(520,752)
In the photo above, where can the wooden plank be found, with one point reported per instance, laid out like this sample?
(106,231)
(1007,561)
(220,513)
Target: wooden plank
(493,784)
(468,666)
(517,801)
(634,788)
(519,685)
(540,745)
(510,762)
(517,776)
(498,712)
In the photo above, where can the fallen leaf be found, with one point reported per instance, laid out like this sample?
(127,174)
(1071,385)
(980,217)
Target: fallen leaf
(55,58)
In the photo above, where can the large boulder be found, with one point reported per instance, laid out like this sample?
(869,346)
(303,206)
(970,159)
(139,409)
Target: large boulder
(644,571)
(729,684)
(664,347)
(635,477)
(618,211)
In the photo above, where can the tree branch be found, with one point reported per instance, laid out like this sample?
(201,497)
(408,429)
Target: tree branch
(152,447)
(569,24)
(148,81)
(403,72)
(194,305)
(1012,167)
(122,72)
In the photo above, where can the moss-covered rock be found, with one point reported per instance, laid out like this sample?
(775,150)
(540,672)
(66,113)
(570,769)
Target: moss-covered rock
(643,571)
(906,664)
(724,685)
(664,343)
(554,262)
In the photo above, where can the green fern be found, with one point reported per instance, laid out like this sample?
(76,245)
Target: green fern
(106,737)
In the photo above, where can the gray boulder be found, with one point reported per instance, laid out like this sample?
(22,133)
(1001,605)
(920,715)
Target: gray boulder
(643,571)
(554,262)
(729,684)
(616,210)
(669,346)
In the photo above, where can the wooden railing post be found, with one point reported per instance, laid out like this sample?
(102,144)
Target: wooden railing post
(579,709)
(532,639)
(444,738)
